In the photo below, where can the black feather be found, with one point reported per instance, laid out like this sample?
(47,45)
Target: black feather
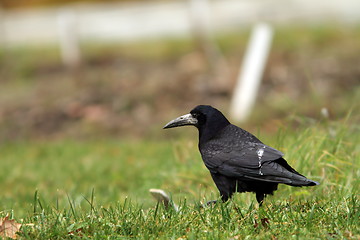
(238,161)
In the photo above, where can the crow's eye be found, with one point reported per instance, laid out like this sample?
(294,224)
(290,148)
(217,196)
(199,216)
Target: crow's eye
(200,117)
(195,115)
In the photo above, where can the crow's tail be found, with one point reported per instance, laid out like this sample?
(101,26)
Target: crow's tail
(299,182)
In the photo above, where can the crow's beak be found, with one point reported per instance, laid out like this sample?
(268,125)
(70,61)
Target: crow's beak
(186,119)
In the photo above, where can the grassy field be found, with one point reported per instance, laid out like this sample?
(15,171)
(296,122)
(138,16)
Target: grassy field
(99,189)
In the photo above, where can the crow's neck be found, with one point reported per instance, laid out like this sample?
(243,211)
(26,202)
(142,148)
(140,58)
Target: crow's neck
(211,129)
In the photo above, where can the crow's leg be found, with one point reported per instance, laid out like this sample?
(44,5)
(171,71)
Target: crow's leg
(260,197)
(211,202)
(226,186)
(224,198)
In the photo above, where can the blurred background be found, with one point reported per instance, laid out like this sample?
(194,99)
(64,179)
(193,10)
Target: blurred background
(122,69)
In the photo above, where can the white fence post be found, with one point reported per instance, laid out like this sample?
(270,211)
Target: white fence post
(249,78)
(68,39)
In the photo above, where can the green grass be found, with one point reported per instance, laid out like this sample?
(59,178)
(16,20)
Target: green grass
(99,189)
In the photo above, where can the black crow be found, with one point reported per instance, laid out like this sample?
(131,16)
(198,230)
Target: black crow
(236,159)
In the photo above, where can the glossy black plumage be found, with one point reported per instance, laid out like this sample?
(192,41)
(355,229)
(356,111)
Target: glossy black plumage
(236,159)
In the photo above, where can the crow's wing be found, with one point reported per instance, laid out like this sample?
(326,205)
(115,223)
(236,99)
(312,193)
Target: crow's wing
(250,155)
(230,155)
(237,146)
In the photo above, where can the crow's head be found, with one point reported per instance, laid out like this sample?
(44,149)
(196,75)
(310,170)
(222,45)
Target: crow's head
(207,119)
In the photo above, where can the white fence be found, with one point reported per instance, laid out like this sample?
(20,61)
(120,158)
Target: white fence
(124,22)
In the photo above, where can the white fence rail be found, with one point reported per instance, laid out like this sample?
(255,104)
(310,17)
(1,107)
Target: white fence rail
(123,22)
